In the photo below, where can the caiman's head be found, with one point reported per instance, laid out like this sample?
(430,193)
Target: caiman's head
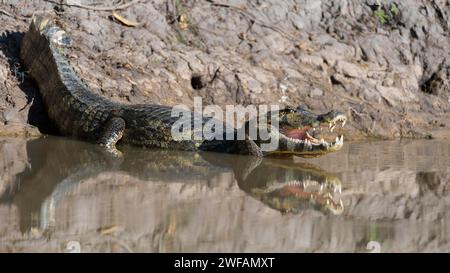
(303,133)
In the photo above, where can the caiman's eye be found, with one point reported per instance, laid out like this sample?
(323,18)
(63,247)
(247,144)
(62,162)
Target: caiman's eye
(288,111)
(291,117)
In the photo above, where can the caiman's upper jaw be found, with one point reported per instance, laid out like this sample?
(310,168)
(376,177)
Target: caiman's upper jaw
(332,122)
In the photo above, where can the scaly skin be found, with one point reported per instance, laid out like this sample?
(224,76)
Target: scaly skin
(80,113)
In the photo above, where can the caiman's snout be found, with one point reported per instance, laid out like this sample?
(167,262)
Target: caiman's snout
(332,118)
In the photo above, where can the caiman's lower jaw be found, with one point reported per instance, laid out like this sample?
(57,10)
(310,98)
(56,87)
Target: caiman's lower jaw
(309,141)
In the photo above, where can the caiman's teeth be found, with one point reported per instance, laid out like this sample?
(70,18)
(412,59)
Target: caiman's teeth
(341,204)
(328,196)
(337,140)
(337,189)
(312,140)
(332,128)
(341,140)
(343,123)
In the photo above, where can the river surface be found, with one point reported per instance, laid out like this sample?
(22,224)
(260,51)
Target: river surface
(62,195)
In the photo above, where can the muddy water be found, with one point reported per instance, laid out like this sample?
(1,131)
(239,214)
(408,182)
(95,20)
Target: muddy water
(57,193)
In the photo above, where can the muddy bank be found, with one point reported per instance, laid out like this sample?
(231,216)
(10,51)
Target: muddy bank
(387,66)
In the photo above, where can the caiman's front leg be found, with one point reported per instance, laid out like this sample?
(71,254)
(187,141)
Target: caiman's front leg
(112,133)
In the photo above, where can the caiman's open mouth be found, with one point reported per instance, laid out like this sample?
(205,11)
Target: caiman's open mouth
(314,135)
(313,139)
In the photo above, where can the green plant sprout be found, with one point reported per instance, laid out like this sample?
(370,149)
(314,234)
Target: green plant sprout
(381,14)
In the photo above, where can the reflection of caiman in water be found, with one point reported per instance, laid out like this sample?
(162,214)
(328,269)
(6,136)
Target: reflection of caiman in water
(289,186)
(58,165)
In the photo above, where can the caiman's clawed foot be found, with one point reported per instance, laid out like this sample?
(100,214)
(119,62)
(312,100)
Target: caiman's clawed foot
(114,152)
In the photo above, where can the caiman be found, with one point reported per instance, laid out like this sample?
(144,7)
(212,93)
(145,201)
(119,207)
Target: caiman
(78,112)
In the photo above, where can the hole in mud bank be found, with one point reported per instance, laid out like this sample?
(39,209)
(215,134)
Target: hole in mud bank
(335,81)
(197,82)
(58,8)
(431,86)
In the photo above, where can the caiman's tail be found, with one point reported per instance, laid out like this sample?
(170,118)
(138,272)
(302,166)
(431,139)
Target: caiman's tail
(65,96)
(36,52)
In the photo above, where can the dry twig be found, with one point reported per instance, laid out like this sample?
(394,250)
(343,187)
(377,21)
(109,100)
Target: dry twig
(6,13)
(111,8)
(253,18)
